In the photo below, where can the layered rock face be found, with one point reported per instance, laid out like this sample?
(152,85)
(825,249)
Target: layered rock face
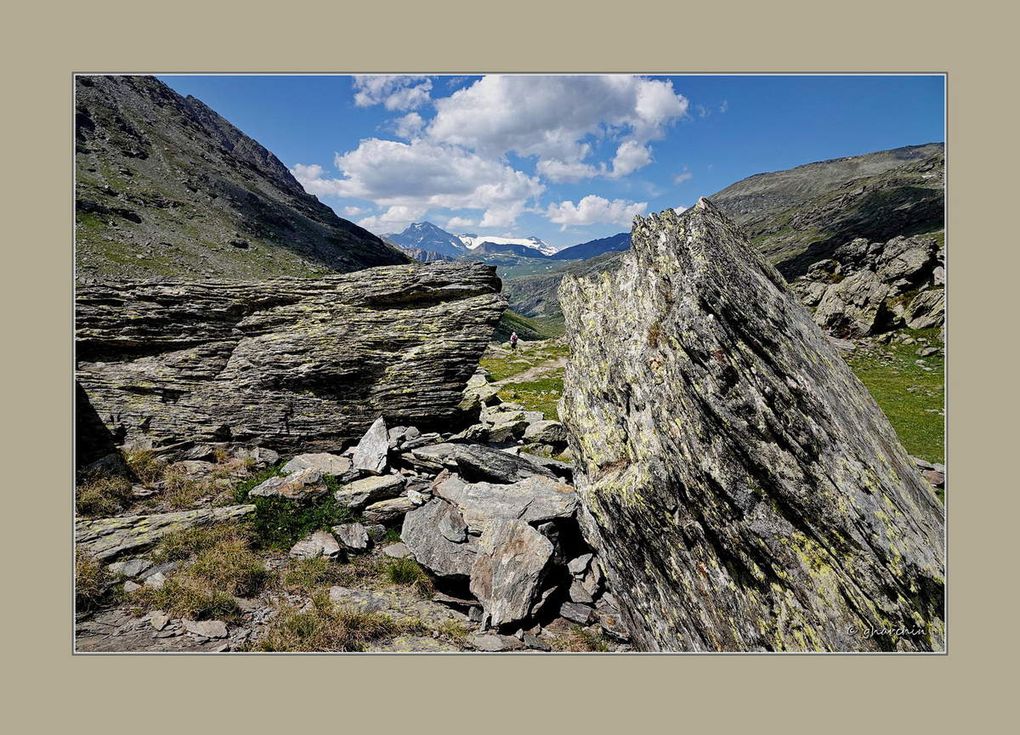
(284,363)
(741,487)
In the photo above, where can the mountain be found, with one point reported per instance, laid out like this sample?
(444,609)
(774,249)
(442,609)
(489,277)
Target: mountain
(166,186)
(513,245)
(800,216)
(613,243)
(426,237)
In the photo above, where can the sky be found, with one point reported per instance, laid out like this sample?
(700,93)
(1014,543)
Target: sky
(564,158)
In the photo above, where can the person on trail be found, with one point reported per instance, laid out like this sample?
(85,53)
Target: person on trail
(513,340)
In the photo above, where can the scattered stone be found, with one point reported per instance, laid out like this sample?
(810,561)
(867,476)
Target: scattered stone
(155,581)
(131,568)
(577,613)
(352,536)
(320,543)
(371,452)
(533,641)
(494,643)
(533,500)
(546,432)
(376,532)
(360,493)
(305,484)
(328,465)
(388,511)
(579,566)
(206,628)
(158,619)
(508,570)
(398,551)
(436,535)
(130,587)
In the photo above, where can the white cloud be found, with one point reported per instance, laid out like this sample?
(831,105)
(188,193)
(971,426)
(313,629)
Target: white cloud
(310,177)
(594,209)
(354,211)
(426,175)
(459,223)
(724,106)
(409,125)
(392,92)
(683,176)
(551,116)
(394,219)
(630,156)
(557,171)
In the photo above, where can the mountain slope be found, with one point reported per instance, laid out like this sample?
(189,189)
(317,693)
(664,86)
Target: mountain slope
(613,243)
(800,216)
(166,186)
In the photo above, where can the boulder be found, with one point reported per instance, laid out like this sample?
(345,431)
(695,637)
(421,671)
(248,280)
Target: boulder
(508,570)
(360,493)
(740,486)
(286,363)
(303,484)
(927,309)
(854,306)
(106,538)
(351,536)
(546,432)
(437,536)
(388,512)
(327,465)
(533,500)
(575,612)
(477,462)
(371,452)
(320,543)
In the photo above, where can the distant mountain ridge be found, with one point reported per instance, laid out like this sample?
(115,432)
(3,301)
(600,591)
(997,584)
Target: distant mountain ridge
(166,186)
(429,239)
(585,250)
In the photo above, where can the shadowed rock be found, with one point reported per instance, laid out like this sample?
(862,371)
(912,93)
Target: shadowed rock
(741,487)
(287,363)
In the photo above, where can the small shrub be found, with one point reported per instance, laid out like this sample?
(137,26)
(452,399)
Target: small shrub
(102,496)
(245,486)
(91,580)
(408,572)
(281,522)
(326,626)
(392,536)
(145,464)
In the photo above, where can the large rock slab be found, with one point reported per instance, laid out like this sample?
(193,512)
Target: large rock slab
(507,573)
(371,452)
(437,536)
(741,487)
(106,538)
(360,493)
(477,462)
(533,500)
(287,363)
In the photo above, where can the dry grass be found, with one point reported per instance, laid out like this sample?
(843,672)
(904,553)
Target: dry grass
(580,640)
(145,464)
(90,580)
(325,626)
(178,545)
(410,573)
(102,496)
(180,490)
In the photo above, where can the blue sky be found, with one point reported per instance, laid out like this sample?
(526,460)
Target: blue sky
(565,158)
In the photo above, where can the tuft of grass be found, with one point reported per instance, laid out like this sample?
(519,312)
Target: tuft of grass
(102,496)
(326,626)
(912,398)
(224,568)
(580,640)
(308,575)
(91,581)
(453,630)
(181,491)
(178,545)
(408,572)
(392,536)
(145,464)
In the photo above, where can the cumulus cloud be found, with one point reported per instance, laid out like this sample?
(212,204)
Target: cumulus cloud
(556,171)
(393,219)
(424,175)
(310,176)
(630,156)
(459,223)
(401,92)
(594,209)
(551,116)
(409,125)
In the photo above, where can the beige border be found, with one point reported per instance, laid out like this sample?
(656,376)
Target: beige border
(44,44)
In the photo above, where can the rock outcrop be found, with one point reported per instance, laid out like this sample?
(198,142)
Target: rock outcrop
(742,489)
(285,363)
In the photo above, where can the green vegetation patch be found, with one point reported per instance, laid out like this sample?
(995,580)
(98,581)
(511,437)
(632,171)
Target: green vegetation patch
(537,395)
(912,398)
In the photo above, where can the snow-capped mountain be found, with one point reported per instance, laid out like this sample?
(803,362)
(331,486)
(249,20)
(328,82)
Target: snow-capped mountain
(425,237)
(471,242)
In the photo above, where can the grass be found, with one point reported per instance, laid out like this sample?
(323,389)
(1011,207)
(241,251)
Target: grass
(537,395)
(580,640)
(146,465)
(326,626)
(502,366)
(408,572)
(527,328)
(223,567)
(309,575)
(912,398)
(102,496)
(181,491)
(91,581)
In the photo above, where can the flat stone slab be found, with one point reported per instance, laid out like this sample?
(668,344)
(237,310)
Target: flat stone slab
(534,500)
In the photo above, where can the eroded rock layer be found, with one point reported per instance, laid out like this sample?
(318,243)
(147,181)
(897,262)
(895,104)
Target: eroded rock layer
(742,488)
(285,363)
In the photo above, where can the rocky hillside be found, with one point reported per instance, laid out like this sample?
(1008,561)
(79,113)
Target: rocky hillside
(167,187)
(740,486)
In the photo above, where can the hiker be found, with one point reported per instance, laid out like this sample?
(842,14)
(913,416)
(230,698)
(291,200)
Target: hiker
(513,340)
